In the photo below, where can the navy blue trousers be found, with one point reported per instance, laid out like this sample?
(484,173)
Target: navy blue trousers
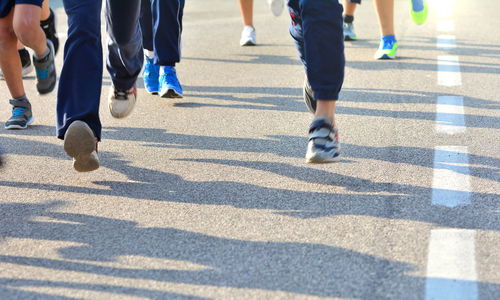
(316,28)
(80,81)
(161,24)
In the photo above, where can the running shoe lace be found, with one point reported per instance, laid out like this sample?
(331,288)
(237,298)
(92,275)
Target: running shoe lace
(121,95)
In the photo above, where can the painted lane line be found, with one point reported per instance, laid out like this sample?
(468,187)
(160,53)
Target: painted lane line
(446,42)
(450,115)
(449,71)
(451,265)
(451,181)
(445,26)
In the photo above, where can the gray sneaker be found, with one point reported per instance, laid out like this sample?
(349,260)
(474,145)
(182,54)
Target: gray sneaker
(21,115)
(323,146)
(349,33)
(308,97)
(81,144)
(46,71)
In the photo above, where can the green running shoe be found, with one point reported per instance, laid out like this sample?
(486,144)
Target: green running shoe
(419,11)
(388,48)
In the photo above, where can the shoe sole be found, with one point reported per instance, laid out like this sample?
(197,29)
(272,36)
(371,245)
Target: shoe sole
(248,44)
(321,160)
(170,93)
(79,143)
(30,120)
(277,7)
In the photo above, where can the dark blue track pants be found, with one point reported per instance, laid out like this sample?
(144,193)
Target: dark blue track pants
(81,76)
(161,23)
(317,31)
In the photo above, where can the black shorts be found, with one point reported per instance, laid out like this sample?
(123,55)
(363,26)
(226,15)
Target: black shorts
(7,5)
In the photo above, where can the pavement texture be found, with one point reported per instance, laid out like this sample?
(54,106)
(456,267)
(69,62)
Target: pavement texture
(209,197)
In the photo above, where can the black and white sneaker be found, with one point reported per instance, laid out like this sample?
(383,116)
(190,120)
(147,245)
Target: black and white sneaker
(308,96)
(24,55)
(49,28)
(21,115)
(323,146)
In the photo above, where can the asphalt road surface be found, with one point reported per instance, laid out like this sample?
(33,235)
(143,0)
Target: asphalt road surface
(209,197)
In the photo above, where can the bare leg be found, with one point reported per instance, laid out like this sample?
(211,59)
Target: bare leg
(27,28)
(326,109)
(9,57)
(45,10)
(385,12)
(246,9)
(349,8)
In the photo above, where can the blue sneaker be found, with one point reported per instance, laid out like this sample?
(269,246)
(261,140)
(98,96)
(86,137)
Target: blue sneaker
(21,115)
(170,87)
(388,47)
(151,76)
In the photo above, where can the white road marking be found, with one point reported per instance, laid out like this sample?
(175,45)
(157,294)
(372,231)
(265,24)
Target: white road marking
(451,181)
(451,266)
(449,71)
(450,115)
(446,42)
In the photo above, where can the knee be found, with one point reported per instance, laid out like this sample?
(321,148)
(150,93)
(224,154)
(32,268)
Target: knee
(24,27)
(7,37)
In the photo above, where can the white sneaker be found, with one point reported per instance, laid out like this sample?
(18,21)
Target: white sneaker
(248,37)
(121,103)
(276,6)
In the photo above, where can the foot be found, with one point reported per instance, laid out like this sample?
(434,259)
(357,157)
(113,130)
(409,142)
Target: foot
(121,102)
(151,75)
(308,96)
(349,33)
(419,11)
(24,55)
(324,146)
(21,115)
(49,28)
(387,48)
(276,6)
(170,87)
(248,36)
(81,144)
(45,71)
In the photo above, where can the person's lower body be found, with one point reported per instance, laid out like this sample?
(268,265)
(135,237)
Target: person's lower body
(125,54)
(161,24)
(317,29)
(79,92)
(349,9)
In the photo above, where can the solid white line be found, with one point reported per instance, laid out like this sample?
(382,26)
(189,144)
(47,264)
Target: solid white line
(445,26)
(451,181)
(451,265)
(450,115)
(446,42)
(449,71)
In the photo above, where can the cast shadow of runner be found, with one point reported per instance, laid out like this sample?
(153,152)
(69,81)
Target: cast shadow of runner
(300,268)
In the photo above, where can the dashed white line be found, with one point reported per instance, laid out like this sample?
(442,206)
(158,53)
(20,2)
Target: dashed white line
(446,42)
(450,115)
(449,71)
(451,266)
(451,181)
